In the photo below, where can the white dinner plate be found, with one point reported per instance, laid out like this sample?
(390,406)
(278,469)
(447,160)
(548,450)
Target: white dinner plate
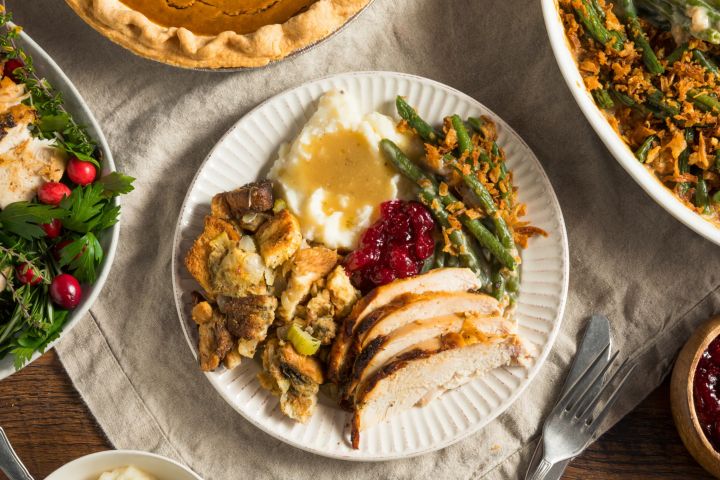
(46,67)
(622,153)
(246,152)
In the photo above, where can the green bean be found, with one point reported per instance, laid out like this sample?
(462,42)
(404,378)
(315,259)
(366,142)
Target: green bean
(498,285)
(440,255)
(513,283)
(623,98)
(702,199)
(465,145)
(716,197)
(429,185)
(603,99)
(657,100)
(656,104)
(428,264)
(595,27)
(489,241)
(488,204)
(628,101)
(598,9)
(452,261)
(424,129)
(477,124)
(677,54)
(684,160)
(704,101)
(707,63)
(628,12)
(642,152)
(503,167)
(457,237)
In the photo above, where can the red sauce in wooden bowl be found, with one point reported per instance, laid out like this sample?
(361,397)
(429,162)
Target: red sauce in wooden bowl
(706,392)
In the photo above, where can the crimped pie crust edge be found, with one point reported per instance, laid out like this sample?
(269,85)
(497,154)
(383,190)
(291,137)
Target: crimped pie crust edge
(180,47)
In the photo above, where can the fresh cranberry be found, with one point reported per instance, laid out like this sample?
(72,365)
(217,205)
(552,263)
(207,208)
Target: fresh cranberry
(65,291)
(52,229)
(82,173)
(52,193)
(27,275)
(10,67)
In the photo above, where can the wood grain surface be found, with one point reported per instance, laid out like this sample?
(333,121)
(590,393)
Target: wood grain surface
(49,425)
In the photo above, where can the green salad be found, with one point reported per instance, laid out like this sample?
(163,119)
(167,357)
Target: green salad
(55,205)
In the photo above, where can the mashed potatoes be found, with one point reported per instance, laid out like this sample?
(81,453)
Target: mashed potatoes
(126,473)
(333,175)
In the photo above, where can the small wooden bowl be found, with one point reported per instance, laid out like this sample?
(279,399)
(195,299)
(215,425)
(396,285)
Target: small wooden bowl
(681,397)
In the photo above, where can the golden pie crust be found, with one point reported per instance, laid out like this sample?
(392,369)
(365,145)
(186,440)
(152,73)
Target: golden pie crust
(178,38)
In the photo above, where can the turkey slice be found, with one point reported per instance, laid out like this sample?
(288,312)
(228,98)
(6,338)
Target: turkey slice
(424,372)
(384,348)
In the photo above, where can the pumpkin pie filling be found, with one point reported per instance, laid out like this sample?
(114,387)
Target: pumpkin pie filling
(212,17)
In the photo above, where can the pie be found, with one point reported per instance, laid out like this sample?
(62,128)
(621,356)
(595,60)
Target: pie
(216,33)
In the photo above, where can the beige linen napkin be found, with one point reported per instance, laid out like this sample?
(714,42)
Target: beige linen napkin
(655,279)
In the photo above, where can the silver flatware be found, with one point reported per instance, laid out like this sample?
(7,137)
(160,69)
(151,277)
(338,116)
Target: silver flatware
(595,338)
(574,423)
(10,463)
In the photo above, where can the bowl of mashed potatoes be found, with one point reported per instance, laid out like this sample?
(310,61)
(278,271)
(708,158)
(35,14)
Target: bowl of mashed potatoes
(123,465)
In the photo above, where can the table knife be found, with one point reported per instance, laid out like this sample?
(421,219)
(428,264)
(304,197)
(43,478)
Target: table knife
(595,338)
(10,464)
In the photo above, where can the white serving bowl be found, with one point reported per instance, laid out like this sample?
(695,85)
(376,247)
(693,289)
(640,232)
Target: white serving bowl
(646,179)
(46,67)
(92,466)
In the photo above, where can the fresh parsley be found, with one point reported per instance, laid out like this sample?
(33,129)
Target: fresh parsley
(24,218)
(83,255)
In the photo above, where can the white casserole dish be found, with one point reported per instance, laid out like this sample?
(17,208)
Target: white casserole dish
(646,179)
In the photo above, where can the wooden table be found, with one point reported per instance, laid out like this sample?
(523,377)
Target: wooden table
(49,426)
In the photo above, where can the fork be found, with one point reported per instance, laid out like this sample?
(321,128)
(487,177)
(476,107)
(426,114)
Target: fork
(10,464)
(572,425)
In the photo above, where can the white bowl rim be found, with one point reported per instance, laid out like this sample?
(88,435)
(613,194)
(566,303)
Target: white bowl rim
(532,373)
(115,453)
(113,232)
(622,153)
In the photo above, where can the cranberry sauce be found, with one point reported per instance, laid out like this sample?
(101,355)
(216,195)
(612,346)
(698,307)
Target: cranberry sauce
(395,246)
(706,392)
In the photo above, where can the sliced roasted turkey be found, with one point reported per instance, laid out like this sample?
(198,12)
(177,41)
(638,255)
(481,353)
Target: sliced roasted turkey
(384,348)
(440,280)
(426,371)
